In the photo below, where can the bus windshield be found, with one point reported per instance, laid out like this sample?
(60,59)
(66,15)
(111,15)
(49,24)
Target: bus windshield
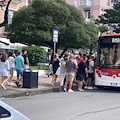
(109,52)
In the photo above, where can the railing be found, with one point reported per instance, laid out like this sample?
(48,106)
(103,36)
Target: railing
(87,20)
(18,1)
(86,3)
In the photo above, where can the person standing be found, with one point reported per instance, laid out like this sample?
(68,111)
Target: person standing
(11,60)
(70,68)
(90,73)
(4,69)
(19,68)
(63,71)
(26,60)
(81,57)
(50,65)
(55,65)
(82,71)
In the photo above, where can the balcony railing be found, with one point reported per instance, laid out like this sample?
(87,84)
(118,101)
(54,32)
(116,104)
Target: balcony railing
(87,20)
(86,3)
(17,1)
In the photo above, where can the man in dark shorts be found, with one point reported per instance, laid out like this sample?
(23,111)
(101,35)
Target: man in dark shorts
(90,73)
(82,72)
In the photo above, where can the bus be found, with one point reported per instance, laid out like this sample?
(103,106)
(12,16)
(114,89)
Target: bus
(107,69)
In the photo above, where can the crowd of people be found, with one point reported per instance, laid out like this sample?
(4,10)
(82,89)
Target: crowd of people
(8,64)
(76,67)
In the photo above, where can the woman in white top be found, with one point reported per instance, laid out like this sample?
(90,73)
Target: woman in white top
(63,71)
(11,60)
(4,69)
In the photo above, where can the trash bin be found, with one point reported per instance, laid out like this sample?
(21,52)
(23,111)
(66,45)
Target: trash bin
(30,79)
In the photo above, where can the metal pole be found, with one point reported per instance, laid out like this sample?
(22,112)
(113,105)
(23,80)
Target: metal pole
(54,48)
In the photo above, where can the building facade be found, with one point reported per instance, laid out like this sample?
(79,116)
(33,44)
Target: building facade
(91,9)
(14,6)
(5,44)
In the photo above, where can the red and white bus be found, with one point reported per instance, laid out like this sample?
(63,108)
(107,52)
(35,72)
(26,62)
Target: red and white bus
(107,69)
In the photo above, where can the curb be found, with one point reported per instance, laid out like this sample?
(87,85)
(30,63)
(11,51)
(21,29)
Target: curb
(30,93)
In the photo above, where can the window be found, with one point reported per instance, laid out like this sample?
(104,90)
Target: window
(75,3)
(4,113)
(87,14)
(109,53)
(10,16)
(108,2)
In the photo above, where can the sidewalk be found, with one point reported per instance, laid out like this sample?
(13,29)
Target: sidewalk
(44,86)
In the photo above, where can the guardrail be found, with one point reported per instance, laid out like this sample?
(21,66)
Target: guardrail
(41,64)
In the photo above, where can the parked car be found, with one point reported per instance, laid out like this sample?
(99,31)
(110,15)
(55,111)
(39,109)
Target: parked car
(9,113)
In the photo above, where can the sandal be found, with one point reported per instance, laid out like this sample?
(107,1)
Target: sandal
(3,87)
(81,90)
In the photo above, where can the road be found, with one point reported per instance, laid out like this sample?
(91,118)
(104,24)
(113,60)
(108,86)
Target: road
(88,105)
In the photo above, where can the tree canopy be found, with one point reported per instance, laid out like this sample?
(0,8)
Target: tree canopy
(34,25)
(111,17)
(103,29)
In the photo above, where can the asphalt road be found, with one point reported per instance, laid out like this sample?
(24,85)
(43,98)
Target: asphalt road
(88,105)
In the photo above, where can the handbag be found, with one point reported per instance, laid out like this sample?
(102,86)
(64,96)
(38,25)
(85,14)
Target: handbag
(58,71)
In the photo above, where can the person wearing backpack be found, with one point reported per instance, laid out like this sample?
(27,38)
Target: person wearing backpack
(90,73)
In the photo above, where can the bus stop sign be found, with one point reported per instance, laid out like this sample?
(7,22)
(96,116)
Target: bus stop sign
(55,36)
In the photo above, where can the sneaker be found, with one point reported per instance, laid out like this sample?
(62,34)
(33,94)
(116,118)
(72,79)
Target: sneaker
(8,83)
(86,87)
(90,88)
(20,85)
(65,90)
(11,84)
(17,84)
(70,90)
(48,75)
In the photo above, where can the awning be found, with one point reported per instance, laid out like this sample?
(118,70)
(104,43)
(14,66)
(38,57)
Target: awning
(5,41)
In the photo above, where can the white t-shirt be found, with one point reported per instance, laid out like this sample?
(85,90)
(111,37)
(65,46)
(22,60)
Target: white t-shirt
(91,64)
(11,61)
(4,65)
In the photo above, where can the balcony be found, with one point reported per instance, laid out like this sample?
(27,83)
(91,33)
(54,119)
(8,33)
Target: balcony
(85,3)
(16,1)
(87,20)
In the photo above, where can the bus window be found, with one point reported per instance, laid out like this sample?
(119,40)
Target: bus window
(107,56)
(118,56)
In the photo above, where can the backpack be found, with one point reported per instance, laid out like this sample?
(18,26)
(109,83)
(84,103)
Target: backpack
(88,63)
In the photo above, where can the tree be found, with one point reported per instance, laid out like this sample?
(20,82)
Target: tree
(111,18)
(36,54)
(2,3)
(103,29)
(34,24)
(92,32)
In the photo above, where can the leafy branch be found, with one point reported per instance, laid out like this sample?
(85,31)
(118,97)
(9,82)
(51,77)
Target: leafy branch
(2,3)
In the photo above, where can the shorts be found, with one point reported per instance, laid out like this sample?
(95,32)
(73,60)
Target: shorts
(70,76)
(19,72)
(26,67)
(91,75)
(81,77)
(11,69)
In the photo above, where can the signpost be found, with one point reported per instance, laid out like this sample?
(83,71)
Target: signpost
(55,38)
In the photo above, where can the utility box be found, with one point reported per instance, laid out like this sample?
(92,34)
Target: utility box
(30,79)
